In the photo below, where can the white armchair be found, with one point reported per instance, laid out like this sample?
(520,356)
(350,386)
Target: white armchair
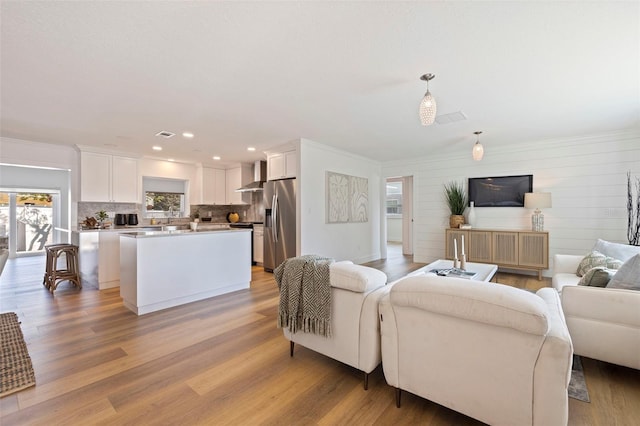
(355,338)
(493,352)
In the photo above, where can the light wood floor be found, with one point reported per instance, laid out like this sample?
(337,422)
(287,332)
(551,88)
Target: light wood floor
(221,361)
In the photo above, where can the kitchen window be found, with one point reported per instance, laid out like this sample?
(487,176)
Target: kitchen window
(164,197)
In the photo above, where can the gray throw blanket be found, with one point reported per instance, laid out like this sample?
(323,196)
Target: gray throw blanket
(305,294)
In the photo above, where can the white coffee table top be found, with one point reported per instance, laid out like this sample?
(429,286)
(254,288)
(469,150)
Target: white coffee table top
(485,271)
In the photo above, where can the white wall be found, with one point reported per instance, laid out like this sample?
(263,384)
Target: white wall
(585,175)
(359,242)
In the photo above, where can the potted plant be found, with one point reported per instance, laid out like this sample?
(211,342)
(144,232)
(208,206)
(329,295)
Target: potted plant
(456,198)
(102,216)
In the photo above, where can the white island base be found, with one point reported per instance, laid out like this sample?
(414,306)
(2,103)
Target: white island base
(159,270)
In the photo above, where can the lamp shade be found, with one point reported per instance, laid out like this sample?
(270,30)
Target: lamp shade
(478,151)
(537,200)
(427,109)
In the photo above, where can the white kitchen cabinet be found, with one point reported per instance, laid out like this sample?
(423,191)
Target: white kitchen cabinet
(258,244)
(236,178)
(108,178)
(214,186)
(282,165)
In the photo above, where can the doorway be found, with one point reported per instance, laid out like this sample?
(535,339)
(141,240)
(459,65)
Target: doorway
(399,216)
(27,220)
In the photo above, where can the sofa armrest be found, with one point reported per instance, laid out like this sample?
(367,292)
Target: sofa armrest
(612,305)
(356,278)
(553,369)
(566,263)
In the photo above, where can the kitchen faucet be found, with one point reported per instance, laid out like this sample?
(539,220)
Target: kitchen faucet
(170,215)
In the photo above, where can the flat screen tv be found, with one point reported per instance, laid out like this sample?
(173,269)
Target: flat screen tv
(500,191)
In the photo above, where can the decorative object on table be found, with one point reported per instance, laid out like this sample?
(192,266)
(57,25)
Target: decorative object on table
(478,150)
(233,217)
(347,198)
(471,215)
(16,373)
(633,223)
(537,200)
(454,273)
(455,253)
(463,256)
(90,223)
(102,216)
(456,198)
(428,103)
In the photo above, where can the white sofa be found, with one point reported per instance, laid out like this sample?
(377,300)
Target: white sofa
(604,323)
(355,331)
(493,352)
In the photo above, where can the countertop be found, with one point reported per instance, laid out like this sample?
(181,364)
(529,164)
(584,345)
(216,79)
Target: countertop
(179,233)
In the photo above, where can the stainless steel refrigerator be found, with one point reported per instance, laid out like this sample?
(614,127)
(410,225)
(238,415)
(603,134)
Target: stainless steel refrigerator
(279,222)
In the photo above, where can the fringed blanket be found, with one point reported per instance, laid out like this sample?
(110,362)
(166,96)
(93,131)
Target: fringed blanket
(305,294)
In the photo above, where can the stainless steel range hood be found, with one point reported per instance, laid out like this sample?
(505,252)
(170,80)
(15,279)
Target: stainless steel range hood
(259,176)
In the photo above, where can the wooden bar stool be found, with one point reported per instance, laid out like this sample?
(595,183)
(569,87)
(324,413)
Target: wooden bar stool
(54,274)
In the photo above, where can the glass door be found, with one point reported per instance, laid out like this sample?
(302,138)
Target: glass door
(27,219)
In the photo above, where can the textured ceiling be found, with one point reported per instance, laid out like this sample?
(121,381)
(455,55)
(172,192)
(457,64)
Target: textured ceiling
(346,74)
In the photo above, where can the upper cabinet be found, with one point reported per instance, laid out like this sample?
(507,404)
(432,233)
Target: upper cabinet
(282,165)
(108,178)
(236,178)
(214,186)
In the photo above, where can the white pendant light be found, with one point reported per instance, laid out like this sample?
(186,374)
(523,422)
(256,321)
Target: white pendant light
(428,104)
(478,150)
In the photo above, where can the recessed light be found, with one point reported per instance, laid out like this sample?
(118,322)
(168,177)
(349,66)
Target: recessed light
(187,134)
(215,157)
(170,159)
(157,148)
(251,148)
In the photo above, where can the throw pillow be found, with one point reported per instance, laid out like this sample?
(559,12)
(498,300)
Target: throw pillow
(628,276)
(616,250)
(594,259)
(597,277)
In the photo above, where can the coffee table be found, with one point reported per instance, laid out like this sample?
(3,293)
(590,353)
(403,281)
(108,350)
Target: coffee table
(485,271)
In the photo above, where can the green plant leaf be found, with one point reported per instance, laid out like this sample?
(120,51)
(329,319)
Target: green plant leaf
(456,197)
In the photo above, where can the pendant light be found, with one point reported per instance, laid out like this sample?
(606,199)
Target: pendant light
(428,103)
(478,150)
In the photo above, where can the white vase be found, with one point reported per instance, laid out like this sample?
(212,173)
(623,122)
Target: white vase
(471,217)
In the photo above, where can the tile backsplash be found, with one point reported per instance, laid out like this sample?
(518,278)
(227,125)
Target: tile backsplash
(253,212)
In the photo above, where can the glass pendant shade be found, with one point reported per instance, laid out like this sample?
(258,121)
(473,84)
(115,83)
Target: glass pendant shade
(427,109)
(478,151)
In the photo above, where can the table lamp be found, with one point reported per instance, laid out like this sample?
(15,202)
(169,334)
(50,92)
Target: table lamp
(537,200)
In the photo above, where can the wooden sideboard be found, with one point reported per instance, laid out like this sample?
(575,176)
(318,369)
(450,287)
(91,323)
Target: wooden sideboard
(528,250)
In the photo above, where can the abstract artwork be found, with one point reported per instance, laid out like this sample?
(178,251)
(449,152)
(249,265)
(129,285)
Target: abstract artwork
(347,198)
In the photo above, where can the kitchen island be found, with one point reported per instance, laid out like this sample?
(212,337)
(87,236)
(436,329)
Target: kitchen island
(159,270)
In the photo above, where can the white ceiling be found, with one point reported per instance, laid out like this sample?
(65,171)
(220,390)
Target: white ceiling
(346,74)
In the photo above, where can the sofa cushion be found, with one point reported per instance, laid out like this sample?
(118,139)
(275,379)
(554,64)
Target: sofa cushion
(594,259)
(616,250)
(356,278)
(628,276)
(597,277)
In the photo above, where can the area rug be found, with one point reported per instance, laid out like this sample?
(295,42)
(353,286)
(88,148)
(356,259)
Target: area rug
(577,385)
(16,370)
